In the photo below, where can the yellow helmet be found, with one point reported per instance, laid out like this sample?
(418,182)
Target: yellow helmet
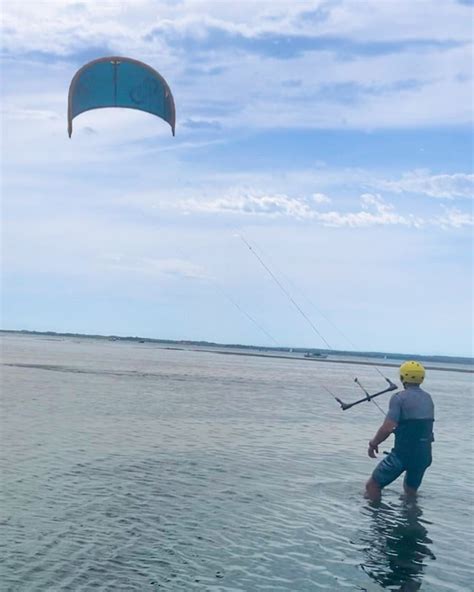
(412,372)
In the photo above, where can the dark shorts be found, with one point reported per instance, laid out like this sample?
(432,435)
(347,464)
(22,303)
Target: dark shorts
(391,467)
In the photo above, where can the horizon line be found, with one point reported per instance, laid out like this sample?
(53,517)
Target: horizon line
(295,349)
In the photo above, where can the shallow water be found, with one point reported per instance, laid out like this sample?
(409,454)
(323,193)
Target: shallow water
(126,466)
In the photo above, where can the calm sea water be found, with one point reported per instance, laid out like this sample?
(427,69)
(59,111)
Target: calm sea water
(130,467)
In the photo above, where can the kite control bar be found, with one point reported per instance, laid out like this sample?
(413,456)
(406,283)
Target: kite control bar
(368,397)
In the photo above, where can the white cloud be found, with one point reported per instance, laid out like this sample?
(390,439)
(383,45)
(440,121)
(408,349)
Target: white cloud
(256,204)
(320,198)
(154,267)
(62,25)
(29,114)
(454,218)
(373,19)
(375,212)
(442,186)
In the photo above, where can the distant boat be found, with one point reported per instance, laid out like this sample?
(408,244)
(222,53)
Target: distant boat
(315,355)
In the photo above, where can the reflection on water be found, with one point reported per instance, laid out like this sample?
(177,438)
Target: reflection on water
(396,546)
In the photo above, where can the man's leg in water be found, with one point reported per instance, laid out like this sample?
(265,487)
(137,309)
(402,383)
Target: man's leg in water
(413,479)
(409,491)
(373,491)
(388,469)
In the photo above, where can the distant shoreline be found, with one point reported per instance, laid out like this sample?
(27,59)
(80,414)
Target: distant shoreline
(334,361)
(379,358)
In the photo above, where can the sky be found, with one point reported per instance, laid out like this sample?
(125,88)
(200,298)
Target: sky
(332,136)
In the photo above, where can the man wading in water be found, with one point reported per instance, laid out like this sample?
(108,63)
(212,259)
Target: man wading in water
(410,415)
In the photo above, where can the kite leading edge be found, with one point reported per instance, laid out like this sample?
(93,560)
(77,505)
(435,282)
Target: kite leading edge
(120,82)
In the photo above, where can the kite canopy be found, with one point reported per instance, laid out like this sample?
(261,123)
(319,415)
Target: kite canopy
(120,82)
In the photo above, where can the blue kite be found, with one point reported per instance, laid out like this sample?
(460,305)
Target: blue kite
(120,82)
